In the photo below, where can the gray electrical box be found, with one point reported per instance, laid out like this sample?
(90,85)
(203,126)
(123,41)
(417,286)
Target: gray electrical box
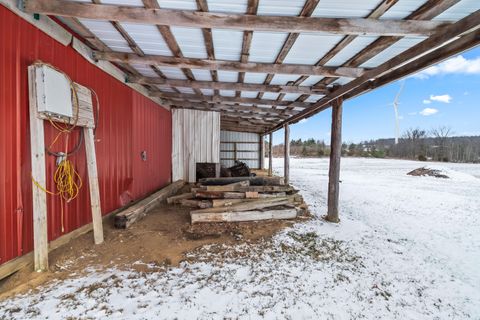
(54,95)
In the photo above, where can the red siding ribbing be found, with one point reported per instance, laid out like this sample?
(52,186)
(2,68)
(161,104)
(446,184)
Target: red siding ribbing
(129,123)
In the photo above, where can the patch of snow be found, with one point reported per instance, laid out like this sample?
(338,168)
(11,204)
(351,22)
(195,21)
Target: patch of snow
(406,248)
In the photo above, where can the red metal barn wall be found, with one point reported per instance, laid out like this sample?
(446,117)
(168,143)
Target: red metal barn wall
(128,124)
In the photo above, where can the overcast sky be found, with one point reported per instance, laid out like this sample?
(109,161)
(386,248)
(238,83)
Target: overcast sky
(445,94)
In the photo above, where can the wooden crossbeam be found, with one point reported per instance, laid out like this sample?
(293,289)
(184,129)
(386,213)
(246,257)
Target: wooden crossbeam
(202,5)
(171,42)
(299,69)
(466,25)
(307,11)
(183,18)
(228,85)
(215,106)
(230,100)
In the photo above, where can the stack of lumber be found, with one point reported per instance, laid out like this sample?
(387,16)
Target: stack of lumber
(241,199)
(137,211)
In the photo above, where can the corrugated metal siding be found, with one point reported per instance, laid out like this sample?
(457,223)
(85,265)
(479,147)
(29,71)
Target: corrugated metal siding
(121,127)
(227,142)
(195,138)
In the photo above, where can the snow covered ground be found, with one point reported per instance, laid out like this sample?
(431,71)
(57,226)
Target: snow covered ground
(406,248)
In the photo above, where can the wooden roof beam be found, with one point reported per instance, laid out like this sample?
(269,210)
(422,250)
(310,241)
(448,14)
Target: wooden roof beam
(228,85)
(267,112)
(184,18)
(257,67)
(230,100)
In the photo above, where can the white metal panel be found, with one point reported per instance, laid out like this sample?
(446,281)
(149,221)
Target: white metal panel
(270,95)
(190,41)
(107,34)
(311,47)
(230,6)
(207,92)
(291,96)
(144,70)
(227,93)
(53,91)
(249,94)
(178,4)
(393,50)
(148,38)
(403,9)
(351,50)
(227,44)
(345,8)
(227,139)
(311,80)
(202,75)
(283,79)
(196,138)
(266,46)
(459,10)
(258,78)
(280,7)
(173,73)
(227,76)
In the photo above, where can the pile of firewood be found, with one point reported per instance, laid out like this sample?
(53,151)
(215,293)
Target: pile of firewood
(241,199)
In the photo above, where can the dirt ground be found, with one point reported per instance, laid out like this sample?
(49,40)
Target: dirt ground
(162,237)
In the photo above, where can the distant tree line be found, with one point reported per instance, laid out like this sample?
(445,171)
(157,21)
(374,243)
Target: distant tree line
(416,144)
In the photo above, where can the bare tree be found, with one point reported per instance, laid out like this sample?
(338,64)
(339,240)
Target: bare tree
(441,135)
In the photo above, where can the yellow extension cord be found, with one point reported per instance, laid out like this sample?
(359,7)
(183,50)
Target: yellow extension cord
(65,176)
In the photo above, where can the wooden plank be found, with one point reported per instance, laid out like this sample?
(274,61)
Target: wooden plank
(230,108)
(229,100)
(254,181)
(229,187)
(93,185)
(270,159)
(184,18)
(227,85)
(253,215)
(178,198)
(334,167)
(137,211)
(286,154)
(26,260)
(195,203)
(205,64)
(246,205)
(39,197)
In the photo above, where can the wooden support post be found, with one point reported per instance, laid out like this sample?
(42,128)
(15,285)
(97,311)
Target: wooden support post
(37,141)
(93,184)
(270,160)
(286,164)
(335,155)
(262,152)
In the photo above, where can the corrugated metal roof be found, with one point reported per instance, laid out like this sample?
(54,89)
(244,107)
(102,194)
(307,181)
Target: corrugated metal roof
(308,48)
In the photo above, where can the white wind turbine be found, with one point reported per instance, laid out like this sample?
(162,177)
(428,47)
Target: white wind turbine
(395,107)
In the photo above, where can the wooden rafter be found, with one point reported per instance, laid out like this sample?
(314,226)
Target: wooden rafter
(183,18)
(232,108)
(247,41)
(466,25)
(299,69)
(132,44)
(228,85)
(169,39)
(307,11)
(202,5)
(230,100)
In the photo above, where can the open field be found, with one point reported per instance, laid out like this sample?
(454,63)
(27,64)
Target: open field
(406,248)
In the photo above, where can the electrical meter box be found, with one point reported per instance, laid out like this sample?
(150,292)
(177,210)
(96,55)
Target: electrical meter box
(54,95)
